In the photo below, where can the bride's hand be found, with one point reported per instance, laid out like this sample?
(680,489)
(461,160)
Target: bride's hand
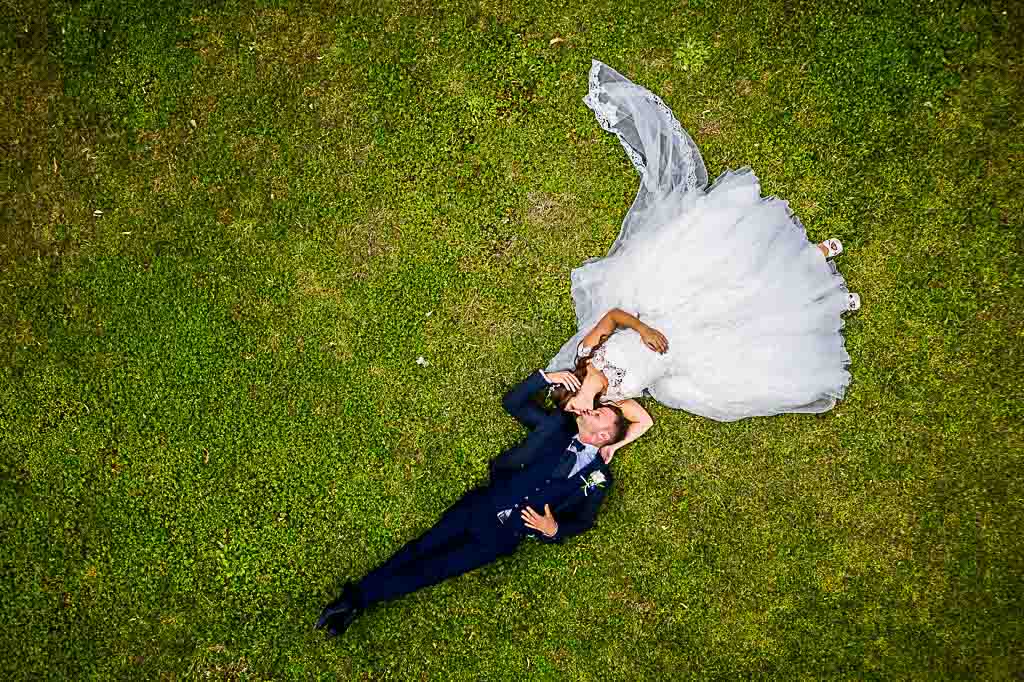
(607,452)
(578,404)
(654,339)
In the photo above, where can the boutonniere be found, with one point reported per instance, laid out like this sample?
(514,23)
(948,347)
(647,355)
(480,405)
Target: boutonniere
(596,479)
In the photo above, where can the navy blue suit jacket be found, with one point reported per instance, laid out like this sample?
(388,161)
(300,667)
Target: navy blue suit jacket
(549,436)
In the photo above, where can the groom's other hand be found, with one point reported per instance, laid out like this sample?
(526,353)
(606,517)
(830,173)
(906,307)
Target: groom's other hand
(567,379)
(544,524)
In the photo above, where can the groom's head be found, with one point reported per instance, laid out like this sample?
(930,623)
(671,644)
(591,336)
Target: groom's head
(602,426)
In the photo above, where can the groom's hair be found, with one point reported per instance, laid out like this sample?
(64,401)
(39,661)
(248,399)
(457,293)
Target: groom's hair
(619,426)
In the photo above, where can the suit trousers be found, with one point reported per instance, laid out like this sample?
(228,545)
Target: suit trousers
(466,537)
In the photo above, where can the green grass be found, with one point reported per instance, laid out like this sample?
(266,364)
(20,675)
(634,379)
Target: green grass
(210,406)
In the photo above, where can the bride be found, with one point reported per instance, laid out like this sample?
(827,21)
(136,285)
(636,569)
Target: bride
(712,300)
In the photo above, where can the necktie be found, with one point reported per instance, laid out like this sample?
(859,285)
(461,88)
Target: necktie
(568,459)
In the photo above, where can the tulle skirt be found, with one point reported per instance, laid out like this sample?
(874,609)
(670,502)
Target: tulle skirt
(751,308)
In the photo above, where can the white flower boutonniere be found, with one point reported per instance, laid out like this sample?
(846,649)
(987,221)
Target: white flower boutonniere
(596,479)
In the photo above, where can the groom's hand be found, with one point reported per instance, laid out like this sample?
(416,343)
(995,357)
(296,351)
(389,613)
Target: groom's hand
(545,524)
(567,379)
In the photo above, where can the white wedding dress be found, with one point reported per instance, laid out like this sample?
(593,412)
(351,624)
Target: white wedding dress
(750,307)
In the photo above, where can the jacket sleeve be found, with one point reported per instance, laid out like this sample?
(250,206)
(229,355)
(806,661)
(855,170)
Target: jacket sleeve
(580,518)
(518,458)
(518,403)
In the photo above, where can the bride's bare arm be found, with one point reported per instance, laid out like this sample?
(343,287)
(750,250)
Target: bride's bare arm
(609,322)
(615,318)
(639,422)
(594,383)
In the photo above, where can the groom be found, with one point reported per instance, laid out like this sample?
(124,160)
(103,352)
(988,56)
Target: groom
(549,487)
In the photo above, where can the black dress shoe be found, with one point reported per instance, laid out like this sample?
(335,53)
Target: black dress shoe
(340,613)
(339,622)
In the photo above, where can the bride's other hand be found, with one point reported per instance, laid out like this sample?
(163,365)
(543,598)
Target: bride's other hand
(578,404)
(654,339)
(607,452)
(567,379)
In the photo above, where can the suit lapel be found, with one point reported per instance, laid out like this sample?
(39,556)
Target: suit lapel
(581,476)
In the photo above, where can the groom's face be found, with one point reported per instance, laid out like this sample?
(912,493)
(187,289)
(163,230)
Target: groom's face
(596,423)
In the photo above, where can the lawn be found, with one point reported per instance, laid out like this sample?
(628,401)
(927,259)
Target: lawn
(230,229)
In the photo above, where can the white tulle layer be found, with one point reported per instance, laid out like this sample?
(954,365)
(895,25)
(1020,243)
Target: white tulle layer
(751,308)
